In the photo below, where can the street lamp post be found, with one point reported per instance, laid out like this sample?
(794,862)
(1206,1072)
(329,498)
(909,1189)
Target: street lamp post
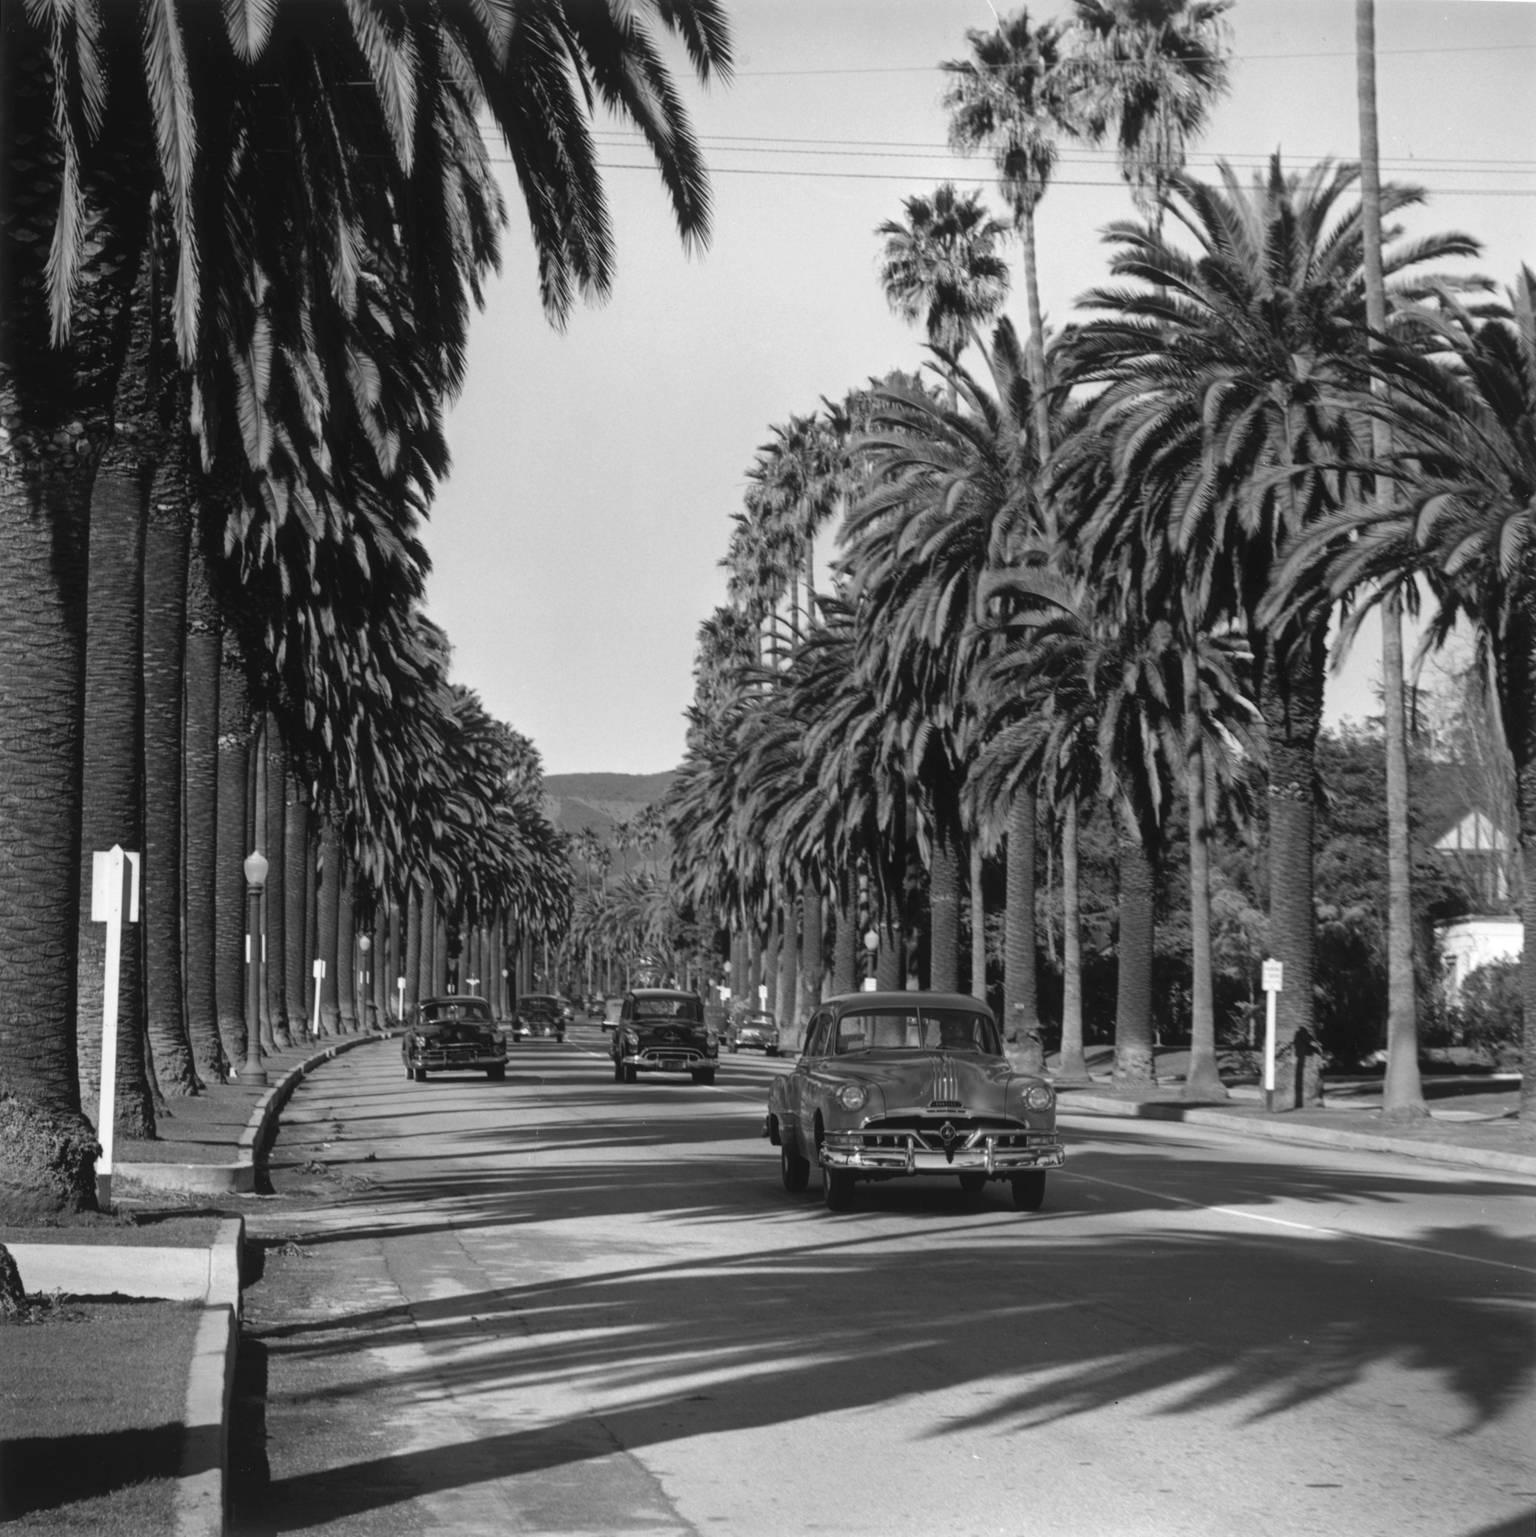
(364,945)
(255,880)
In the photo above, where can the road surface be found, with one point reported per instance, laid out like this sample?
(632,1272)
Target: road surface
(563,1305)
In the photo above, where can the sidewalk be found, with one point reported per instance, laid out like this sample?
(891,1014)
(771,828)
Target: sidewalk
(213,1145)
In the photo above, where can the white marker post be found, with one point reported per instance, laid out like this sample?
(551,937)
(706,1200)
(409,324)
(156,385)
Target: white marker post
(400,994)
(114,902)
(1273,975)
(314,1025)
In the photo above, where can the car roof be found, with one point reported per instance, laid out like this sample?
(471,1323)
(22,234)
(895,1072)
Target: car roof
(661,992)
(842,1002)
(451,998)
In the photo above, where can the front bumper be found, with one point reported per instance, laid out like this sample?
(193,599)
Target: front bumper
(905,1152)
(667,1059)
(450,1059)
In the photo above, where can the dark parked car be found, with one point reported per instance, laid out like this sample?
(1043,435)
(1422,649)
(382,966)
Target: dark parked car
(757,1030)
(540,1016)
(661,1030)
(454,1035)
(895,1084)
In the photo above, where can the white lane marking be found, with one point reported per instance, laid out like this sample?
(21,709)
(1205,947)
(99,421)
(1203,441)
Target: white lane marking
(1303,1227)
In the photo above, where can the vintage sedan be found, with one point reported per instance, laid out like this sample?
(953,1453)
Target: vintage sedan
(662,1030)
(755,1029)
(540,1017)
(896,1084)
(456,1034)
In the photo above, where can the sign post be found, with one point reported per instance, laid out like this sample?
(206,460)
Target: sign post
(314,1024)
(1272,977)
(114,902)
(400,993)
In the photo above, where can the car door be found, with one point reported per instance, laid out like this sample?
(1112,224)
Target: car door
(799,1100)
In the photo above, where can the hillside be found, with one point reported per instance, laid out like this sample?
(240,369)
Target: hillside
(600,801)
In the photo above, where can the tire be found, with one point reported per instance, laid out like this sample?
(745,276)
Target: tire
(629,1072)
(704,1075)
(836,1189)
(618,1071)
(794,1170)
(733,1048)
(496,1074)
(973,1184)
(1029,1190)
(408,1072)
(770,1051)
(419,1074)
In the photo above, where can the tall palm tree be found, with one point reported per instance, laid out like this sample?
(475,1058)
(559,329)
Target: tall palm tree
(1461,405)
(1402,1090)
(1221,371)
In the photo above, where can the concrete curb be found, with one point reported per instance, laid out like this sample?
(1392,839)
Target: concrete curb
(1074,1101)
(242,1176)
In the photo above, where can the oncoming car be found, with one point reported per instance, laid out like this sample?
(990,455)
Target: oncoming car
(897,1084)
(661,1030)
(454,1035)
(540,1016)
(757,1029)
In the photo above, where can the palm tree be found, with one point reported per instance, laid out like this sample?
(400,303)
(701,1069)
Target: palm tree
(1221,374)
(1402,1091)
(1461,405)
(69,283)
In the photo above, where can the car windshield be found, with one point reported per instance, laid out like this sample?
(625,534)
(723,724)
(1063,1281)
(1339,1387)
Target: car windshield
(916,1030)
(452,1009)
(669,1008)
(536,1003)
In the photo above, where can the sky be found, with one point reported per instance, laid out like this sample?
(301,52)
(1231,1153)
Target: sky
(576,543)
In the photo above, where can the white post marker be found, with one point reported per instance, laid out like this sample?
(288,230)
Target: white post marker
(1272,976)
(314,1027)
(400,992)
(114,902)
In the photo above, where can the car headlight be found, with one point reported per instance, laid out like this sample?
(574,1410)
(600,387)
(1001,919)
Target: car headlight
(852,1096)
(1039,1096)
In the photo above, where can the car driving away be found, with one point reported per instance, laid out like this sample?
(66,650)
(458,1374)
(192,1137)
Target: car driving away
(456,1034)
(897,1084)
(661,1030)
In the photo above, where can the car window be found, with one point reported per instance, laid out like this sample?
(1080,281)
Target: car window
(917,1030)
(816,1036)
(668,1008)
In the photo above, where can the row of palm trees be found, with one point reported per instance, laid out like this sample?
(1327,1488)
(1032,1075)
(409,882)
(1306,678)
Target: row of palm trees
(241,245)
(1094,573)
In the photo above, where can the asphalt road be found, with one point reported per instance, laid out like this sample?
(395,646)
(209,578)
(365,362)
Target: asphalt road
(563,1305)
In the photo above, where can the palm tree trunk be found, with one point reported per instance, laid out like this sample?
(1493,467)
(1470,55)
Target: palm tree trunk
(812,965)
(845,937)
(411,916)
(944,894)
(440,949)
(297,864)
(1073,1066)
(1134,1056)
(277,796)
(789,956)
(328,886)
(1292,709)
(978,922)
(1402,1091)
(1021,1013)
(1525,782)
(167,541)
(1203,1080)
(202,671)
(261,839)
(771,960)
(1036,350)
(233,844)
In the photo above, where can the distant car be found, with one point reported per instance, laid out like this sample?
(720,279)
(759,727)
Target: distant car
(758,1031)
(540,1017)
(661,1030)
(611,1011)
(453,1035)
(894,1084)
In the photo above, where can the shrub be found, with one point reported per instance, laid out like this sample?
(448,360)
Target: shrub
(1490,1011)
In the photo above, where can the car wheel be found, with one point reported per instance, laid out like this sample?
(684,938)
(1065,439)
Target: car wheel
(794,1170)
(618,1071)
(836,1189)
(496,1074)
(629,1072)
(1029,1191)
(973,1184)
(419,1074)
(561,1038)
(704,1075)
(771,1051)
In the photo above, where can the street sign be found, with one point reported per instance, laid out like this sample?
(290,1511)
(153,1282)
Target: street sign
(1272,974)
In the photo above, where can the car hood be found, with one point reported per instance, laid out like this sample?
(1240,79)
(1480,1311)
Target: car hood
(917,1079)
